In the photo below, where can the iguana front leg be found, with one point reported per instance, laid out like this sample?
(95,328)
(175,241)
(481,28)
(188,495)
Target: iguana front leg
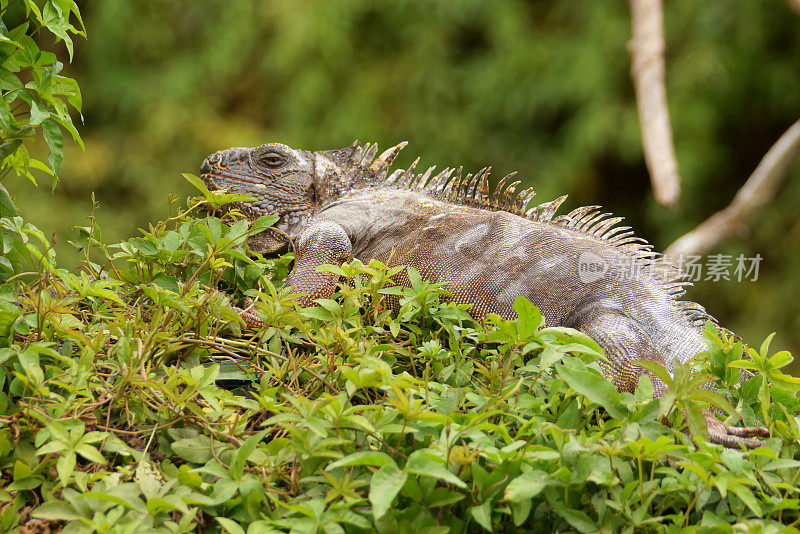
(624,343)
(319,244)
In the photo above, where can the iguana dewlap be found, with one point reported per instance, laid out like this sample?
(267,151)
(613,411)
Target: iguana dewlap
(581,269)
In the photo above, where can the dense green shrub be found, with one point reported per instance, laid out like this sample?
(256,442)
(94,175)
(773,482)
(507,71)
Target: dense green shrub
(130,400)
(36,97)
(35,101)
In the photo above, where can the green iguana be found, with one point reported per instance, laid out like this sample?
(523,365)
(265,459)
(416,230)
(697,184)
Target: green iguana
(581,269)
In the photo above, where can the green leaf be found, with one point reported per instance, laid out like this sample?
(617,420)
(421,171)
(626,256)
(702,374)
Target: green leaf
(90,453)
(55,21)
(521,510)
(64,466)
(579,520)
(243,452)
(384,486)
(714,399)
(529,317)
(55,140)
(7,207)
(9,147)
(695,419)
(121,495)
(196,450)
(37,114)
(56,511)
(592,386)
(765,345)
(147,480)
(743,364)
(66,123)
(27,483)
(230,525)
(50,447)
(747,497)
(170,283)
(443,497)
(656,369)
(374,458)
(483,515)
(197,183)
(785,382)
(424,463)
(526,486)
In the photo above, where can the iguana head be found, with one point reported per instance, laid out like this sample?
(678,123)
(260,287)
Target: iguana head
(292,184)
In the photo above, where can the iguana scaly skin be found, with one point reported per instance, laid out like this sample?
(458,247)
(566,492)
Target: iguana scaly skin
(581,269)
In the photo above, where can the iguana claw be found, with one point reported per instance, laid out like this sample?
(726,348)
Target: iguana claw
(735,436)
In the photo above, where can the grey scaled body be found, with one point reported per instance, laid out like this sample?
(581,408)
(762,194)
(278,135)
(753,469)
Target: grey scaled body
(581,269)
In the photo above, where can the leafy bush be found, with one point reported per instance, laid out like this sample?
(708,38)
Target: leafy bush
(35,97)
(131,400)
(35,94)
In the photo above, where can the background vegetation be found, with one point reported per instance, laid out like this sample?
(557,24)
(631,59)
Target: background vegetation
(539,87)
(132,401)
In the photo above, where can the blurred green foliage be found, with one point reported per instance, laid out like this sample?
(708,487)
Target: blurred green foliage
(539,87)
(35,97)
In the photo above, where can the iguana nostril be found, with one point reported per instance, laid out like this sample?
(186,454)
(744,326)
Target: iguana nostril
(205,168)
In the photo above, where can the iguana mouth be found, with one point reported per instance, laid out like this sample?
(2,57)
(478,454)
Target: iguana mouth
(277,178)
(223,164)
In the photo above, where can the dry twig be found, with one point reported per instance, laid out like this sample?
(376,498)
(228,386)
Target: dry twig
(757,191)
(647,70)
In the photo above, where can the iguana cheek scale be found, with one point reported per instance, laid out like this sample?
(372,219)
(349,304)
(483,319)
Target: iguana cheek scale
(581,269)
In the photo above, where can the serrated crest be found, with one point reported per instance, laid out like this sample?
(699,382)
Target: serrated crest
(474,190)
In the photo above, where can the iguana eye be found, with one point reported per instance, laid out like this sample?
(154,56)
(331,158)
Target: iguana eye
(271,159)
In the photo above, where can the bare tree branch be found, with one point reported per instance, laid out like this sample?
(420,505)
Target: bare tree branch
(647,70)
(794,4)
(757,191)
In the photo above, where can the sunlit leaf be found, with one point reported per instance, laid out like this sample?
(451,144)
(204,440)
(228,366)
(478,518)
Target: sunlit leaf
(384,486)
